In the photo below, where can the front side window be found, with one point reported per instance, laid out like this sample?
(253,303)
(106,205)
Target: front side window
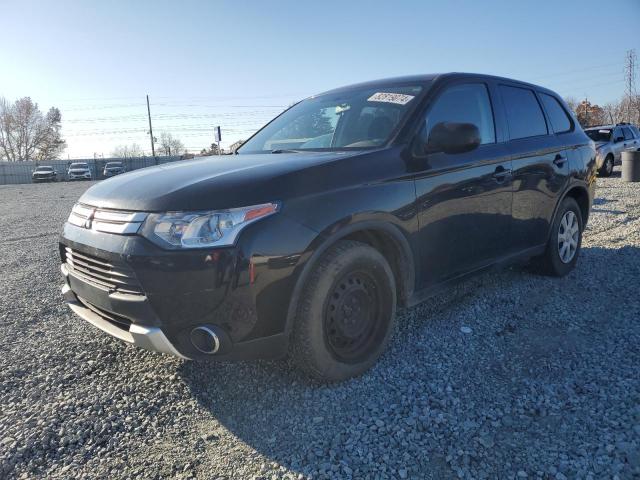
(627,134)
(557,114)
(618,136)
(351,119)
(524,114)
(465,103)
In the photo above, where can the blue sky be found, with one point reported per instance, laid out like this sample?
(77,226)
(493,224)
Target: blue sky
(237,64)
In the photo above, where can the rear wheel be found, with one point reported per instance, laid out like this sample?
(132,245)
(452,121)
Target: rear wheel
(345,314)
(564,242)
(607,167)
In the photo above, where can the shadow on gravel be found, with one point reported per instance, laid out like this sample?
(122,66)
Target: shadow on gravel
(437,392)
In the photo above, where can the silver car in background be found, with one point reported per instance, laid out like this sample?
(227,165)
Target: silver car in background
(113,168)
(611,141)
(79,171)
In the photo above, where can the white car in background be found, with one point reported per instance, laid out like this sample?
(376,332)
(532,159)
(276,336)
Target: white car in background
(79,171)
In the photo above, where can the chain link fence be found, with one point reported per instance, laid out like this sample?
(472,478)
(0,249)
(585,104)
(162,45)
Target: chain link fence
(20,172)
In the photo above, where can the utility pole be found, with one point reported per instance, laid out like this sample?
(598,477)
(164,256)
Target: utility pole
(153,149)
(585,102)
(630,80)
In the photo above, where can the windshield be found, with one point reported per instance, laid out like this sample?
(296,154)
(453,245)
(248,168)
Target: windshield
(113,165)
(603,135)
(44,169)
(355,118)
(78,165)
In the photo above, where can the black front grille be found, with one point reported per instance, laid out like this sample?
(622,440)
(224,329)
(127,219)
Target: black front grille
(111,275)
(114,318)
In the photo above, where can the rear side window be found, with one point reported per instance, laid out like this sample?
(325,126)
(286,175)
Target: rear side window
(524,114)
(627,134)
(557,114)
(466,103)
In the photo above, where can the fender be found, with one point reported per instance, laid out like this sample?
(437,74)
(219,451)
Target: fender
(325,240)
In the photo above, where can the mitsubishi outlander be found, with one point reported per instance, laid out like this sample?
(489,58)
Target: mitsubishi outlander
(344,207)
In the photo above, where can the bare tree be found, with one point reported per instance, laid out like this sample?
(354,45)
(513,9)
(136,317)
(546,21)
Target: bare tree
(171,145)
(613,112)
(27,134)
(630,109)
(127,151)
(212,150)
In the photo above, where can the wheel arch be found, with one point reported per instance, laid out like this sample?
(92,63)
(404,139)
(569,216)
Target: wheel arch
(384,236)
(580,194)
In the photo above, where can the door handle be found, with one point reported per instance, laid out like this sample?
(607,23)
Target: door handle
(560,160)
(501,173)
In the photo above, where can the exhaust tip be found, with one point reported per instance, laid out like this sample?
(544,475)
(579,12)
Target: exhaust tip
(205,339)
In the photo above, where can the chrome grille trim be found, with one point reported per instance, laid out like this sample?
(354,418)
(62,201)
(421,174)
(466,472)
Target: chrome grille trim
(108,221)
(112,276)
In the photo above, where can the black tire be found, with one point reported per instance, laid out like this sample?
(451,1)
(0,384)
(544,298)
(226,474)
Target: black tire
(607,167)
(345,314)
(551,262)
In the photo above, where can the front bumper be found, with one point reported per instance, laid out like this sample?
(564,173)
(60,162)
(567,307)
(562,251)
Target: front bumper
(83,176)
(149,338)
(243,294)
(599,160)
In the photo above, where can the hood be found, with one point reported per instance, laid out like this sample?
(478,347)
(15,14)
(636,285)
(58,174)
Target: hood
(211,182)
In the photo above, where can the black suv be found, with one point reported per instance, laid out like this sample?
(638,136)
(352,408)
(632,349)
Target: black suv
(345,206)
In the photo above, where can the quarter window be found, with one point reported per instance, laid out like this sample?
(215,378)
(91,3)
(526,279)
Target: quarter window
(467,103)
(557,114)
(523,112)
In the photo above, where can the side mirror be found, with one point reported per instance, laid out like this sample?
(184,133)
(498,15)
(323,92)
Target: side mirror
(450,137)
(619,139)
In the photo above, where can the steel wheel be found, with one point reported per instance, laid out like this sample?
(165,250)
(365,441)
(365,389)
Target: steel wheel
(354,316)
(568,236)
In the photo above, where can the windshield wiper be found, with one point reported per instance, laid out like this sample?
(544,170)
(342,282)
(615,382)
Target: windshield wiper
(285,150)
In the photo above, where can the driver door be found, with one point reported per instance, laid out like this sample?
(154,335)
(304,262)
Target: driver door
(464,199)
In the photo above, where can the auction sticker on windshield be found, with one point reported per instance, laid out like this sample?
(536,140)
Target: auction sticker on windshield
(399,98)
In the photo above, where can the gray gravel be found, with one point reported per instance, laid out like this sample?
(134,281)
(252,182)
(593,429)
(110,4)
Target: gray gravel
(511,375)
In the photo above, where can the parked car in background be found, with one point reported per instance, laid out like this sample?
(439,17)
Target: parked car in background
(611,141)
(79,171)
(43,174)
(346,205)
(113,168)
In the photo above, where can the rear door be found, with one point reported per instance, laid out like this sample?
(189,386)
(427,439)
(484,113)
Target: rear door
(540,163)
(464,199)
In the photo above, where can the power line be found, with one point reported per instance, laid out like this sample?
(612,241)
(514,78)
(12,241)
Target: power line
(584,69)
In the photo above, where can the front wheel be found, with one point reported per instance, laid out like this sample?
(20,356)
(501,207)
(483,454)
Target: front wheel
(607,167)
(345,314)
(564,242)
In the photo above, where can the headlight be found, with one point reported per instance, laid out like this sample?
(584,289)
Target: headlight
(216,228)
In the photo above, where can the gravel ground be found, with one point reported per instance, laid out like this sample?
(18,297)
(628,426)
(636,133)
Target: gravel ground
(511,375)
